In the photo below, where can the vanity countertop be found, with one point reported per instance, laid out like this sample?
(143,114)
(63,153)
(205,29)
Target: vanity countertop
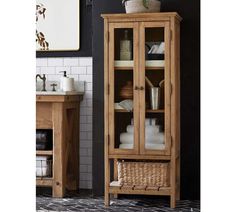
(59,96)
(58,93)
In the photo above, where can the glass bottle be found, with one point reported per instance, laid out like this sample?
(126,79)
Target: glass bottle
(126,47)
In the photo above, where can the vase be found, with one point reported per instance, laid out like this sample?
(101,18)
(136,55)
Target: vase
(136,6)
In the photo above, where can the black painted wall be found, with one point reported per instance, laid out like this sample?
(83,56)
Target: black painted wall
(190,92)
(85,36)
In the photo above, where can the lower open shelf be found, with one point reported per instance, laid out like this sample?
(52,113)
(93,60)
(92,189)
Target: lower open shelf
(44,152)
(147,111)
(44,181)
(116,188)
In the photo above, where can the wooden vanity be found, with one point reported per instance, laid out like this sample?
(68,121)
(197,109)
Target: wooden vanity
(60,113)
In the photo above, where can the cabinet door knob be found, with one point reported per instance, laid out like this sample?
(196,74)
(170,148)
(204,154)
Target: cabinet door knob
(141,88)
(136,88)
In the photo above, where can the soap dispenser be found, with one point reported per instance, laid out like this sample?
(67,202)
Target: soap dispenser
(62,79)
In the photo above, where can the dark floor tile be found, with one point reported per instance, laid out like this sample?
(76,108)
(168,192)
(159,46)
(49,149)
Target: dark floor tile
(84,201)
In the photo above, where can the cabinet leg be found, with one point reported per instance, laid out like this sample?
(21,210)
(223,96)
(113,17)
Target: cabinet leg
(58,190)
(178,195)
(172,201)
(107,199)
(59,165)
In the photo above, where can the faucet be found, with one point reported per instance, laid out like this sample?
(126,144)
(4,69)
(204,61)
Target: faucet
(44,80)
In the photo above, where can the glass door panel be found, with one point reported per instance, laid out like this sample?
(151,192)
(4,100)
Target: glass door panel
(154,126)
(124,128)
(123,98)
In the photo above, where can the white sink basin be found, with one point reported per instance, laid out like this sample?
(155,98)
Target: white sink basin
(59,93)
(79,89)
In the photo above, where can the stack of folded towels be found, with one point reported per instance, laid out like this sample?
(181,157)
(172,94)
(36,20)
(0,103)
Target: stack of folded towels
(154,139)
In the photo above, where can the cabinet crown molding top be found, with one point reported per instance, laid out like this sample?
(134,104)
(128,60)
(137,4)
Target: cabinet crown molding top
(125,16)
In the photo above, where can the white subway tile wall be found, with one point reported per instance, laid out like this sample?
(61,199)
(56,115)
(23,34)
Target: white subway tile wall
(80,69)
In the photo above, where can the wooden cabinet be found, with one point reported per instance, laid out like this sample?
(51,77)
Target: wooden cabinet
(129,135)
(60,113)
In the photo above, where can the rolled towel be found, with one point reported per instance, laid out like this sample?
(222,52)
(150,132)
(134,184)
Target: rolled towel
(155,146)
(127,138)
(126,146)
(148,129)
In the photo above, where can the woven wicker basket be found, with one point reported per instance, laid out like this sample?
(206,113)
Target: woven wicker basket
(144,174)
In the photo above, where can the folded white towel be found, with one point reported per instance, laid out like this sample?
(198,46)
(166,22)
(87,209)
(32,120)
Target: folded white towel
(42,172)
(147,146)
(117,106)
(155,138)
(155,146)
(128,138)
(161,48)
(126,146)
(41,161)
(127,104)
(148,129)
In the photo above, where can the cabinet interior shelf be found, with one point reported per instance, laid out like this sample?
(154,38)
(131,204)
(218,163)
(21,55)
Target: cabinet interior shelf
(129,64)
(44,152)
(147,111)
(148,63)
(127,68)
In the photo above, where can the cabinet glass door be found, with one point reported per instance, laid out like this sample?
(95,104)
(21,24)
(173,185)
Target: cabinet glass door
(154,88)
(123,98)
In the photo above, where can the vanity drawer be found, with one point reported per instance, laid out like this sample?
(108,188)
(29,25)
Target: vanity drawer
(44,115)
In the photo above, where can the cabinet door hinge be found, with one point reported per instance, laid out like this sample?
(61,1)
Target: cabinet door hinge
(108,89)
(108,36)
(108,139)
(171,141)
(171,88)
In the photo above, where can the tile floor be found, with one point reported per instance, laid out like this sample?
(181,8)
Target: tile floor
(86,202)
